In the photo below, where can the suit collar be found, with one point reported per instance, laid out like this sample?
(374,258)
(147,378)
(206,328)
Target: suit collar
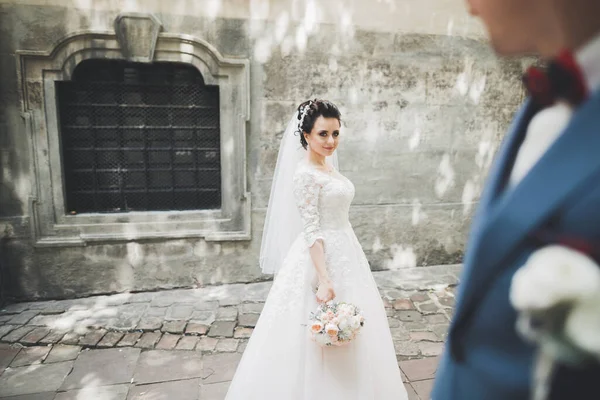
(512,215)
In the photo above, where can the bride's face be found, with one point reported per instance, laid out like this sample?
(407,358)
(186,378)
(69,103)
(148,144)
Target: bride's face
(324,137)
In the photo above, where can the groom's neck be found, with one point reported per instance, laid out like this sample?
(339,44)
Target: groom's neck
(572,24)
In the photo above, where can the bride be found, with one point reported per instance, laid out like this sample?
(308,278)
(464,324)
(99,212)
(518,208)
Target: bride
(309,244)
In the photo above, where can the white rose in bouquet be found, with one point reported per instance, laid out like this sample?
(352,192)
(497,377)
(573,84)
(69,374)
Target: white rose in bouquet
(557,297)
(553,275)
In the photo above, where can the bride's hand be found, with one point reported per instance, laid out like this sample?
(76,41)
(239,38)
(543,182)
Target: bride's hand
(325,292)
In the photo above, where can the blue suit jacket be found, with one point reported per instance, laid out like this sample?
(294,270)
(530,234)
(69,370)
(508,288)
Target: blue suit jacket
(484,358)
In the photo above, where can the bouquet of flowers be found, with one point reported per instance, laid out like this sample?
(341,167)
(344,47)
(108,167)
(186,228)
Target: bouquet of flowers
(335,324)
(557,297)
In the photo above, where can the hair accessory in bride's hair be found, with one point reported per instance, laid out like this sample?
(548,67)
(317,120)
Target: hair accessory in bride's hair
(303,115)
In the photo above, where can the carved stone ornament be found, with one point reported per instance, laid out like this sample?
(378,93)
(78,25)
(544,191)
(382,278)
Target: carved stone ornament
(137,34)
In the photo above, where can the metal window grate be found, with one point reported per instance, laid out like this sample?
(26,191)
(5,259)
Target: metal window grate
(138,137)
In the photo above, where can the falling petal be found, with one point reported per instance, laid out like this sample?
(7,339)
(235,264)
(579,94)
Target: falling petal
(445,179)
(469,193)
(415,139)
(281,26)
(301,39)
(477,88)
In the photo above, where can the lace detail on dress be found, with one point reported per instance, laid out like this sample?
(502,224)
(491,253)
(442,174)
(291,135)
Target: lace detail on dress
(306,191)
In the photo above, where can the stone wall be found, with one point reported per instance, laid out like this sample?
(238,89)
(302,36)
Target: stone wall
(424,102)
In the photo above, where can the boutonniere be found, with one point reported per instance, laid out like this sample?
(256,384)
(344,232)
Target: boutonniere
(556,294)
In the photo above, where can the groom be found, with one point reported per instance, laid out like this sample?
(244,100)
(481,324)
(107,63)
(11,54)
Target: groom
(543,188)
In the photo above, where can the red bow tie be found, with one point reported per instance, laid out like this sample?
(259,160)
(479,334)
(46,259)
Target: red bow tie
(563,79)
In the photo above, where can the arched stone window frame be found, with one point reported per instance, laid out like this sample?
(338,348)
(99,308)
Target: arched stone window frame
(138,38)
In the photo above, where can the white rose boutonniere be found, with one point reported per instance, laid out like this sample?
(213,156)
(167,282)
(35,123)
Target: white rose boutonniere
(557,297)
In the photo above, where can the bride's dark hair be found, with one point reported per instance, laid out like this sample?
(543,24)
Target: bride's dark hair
(309,111)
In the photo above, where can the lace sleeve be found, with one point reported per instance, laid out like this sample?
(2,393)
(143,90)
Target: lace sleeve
(306,191)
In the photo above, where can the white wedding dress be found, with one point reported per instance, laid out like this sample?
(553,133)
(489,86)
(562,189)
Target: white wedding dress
(281,362)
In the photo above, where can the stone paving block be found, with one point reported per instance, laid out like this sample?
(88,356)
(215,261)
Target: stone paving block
(251,308)
(60,353)
(406,349)
(168,342)
(203,317)
(6,317)
(423,388)
(386,302)
(148,340)
(141,297)
(33,396)
(163,366)
(179,312)
(221,329)
(242,346)
(449,313)
(187,343)
(14,308)
(257,292)
(188,389)
(248,320)
(6,329)
(130,339)
(420,297)
(34,379)
(45,320)
(441,330)
(23,318)
(230,301)
(418,370)
(193,328)
(447,301)
(53,337)
(92,338)
(435,319)
(399,333)
(170,297)
(393,323)
(31,355)
(156,312)
(114,392)
(409,316)
(214,391)
(206,305)
(428,308)
(220,367)
(207,344)
(128,316)
(412,395)
(242,333)
(415,326)
(17,334)
(424,336)
(35,335)
(227,314)
(70,338)
(7,354)
(106,366)
(431,348)
(403,304)
(174,326)
(54,308)
(227,345)
(150,323)
(110,339)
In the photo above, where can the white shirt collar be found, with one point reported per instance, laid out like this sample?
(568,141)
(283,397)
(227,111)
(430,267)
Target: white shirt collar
(588,58)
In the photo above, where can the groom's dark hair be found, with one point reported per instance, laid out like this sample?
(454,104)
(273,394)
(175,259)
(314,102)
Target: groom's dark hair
(309,111)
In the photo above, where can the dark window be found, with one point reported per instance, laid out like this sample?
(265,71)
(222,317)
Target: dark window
(139,137)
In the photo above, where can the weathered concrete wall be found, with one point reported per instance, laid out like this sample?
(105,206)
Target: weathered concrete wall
(424,102)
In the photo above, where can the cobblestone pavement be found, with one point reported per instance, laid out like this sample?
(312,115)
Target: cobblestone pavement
(186,343)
